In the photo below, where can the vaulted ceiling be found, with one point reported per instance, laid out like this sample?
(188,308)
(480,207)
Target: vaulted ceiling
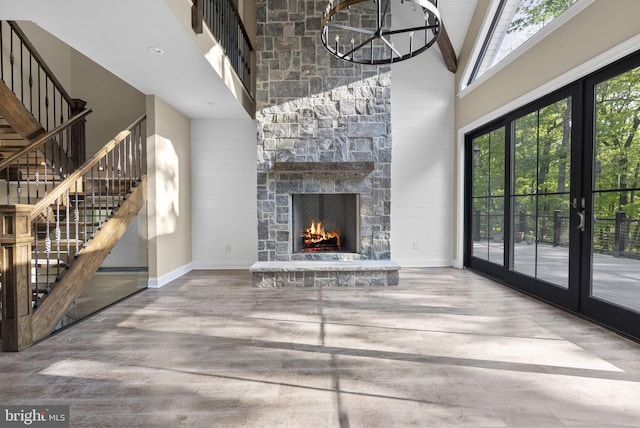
(117,34)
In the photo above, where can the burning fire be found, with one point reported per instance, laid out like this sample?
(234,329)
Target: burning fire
(316,237)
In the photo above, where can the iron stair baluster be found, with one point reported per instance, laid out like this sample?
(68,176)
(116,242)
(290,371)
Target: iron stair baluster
(76,218)
(46,100)
(29,181)
(47,249)
(7,180)
(18,181)
(1,53)
(113,184)
(68,227)
(120,146)
(58,235)
(35,288)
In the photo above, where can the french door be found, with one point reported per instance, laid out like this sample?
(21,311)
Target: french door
(553,197)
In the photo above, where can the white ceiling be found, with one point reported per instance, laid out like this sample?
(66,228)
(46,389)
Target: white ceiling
(456,15)
(117,34)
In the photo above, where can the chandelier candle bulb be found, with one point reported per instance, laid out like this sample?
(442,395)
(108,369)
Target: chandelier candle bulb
(411,43)
(366,24)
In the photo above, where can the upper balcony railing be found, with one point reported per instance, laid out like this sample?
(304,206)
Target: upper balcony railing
(27,75)
(224,22)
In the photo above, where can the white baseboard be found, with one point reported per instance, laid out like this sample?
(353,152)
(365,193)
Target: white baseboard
(420,263)
(221,265)
(167,278)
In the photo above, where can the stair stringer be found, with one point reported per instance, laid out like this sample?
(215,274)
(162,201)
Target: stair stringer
(16,114)
(74,279)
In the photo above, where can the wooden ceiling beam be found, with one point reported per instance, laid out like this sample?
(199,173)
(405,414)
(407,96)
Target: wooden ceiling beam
(447,51)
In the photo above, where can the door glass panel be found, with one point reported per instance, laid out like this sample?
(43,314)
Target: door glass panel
(480,228)
(616,192)
(552,246)
(496,229)
(524,243)
(540,193)
(487,228)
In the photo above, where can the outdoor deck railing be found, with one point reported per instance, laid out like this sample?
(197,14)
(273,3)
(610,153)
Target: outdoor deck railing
(618,236)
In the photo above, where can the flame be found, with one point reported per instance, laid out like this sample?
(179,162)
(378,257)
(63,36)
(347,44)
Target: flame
(316,234)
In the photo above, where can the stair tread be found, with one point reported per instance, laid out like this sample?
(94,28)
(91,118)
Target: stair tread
(8,132)
(9,143)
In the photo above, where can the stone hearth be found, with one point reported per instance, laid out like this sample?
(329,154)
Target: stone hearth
(357,273)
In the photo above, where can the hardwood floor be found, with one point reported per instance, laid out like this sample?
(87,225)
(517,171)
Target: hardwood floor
(445,348)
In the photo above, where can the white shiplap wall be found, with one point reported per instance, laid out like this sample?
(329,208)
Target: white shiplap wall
(223,177)
(422,109)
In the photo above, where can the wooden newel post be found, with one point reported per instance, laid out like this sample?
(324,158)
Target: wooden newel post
(79,134)
(16,241)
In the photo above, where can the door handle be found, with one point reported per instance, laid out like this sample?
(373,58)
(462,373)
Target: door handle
(581,224)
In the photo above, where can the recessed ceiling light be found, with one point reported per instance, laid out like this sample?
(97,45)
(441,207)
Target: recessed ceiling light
(155,50)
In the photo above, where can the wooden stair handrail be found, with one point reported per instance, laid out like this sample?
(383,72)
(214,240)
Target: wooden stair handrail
(60,189)
(44,138)
(25,41)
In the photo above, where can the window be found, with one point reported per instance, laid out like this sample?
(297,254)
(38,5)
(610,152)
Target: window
(513,23)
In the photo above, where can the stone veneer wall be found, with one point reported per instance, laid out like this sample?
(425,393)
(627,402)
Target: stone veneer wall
(313,108)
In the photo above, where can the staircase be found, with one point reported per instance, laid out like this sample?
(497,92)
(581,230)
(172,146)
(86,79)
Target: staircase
(60,215)
(12,141)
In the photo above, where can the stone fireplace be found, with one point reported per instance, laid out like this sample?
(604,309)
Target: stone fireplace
(324,130)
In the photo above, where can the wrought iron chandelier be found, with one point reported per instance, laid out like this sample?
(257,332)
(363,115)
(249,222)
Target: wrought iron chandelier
(361,31)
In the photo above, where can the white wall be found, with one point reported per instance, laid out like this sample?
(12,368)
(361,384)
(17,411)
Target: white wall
(131,249)
(422,107)
(114,103)
(223,173)
(169,188)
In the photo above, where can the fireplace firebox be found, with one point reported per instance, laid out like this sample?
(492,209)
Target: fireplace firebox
(324,222)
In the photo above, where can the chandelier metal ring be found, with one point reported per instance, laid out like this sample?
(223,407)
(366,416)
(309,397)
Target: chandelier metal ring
(374,45)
